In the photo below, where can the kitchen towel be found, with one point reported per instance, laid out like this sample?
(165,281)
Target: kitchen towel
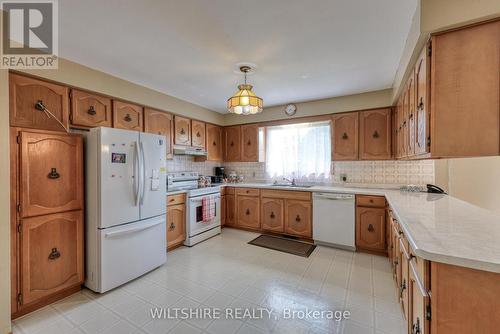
(208,208)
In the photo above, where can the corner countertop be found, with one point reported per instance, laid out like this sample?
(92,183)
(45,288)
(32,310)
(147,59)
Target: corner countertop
(439,228)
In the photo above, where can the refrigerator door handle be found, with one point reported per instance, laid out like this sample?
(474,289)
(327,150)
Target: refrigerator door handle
(137,173)
(133,229)
(143,173)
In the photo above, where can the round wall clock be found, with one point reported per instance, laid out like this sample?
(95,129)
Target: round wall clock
(290,109)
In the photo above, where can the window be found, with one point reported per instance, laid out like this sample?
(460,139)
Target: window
(300,151)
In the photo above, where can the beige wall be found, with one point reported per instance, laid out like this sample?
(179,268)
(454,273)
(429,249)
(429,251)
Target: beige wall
(4,206)
(381,98)
(84,77)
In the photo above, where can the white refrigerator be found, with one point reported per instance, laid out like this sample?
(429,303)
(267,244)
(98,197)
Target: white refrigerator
(125,206)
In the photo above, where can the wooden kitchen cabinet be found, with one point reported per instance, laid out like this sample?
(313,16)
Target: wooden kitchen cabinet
(230,209)
(247,212)
(370,229)
(160,123)
(27,95)
(272,214)
(345,134)
(90,110)
(215,150)
(51,257)
(182,131)
(223,210)
(232,142)
(51,173)
(403,287)
(198,133)
(418,303)
(250,143)
(298,218)
(375,134)
(422,93)
(127,116)
(176,225)
(411,116)
(465,91)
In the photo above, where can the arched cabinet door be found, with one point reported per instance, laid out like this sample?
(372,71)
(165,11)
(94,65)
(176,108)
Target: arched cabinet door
(160,123)
(90,110)
(298,218)
(375,134)
(51,173)
(345,132)
(182,128)
(198,133)
(127,116)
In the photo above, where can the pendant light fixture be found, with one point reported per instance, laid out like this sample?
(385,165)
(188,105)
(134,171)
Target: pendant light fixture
(244,101)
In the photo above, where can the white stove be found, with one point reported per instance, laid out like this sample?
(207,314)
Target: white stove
(196,229)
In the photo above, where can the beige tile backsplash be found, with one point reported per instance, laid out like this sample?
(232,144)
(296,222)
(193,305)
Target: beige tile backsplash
(369,172)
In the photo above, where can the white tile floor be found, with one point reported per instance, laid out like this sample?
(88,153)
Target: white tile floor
(227,272)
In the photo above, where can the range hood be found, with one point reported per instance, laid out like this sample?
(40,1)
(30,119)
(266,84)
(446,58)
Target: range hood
(189,150)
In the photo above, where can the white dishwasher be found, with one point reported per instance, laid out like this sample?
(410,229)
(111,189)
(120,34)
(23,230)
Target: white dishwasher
(334,220)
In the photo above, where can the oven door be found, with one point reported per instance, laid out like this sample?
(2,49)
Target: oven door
(196,225)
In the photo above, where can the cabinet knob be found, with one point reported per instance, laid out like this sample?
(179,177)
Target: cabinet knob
(182,132)
(297,219)
(54,254)
(272,215)
(232,144)
(247,212)
(249,143)
(402,288)
(91,111)
(198,134)
(53,174)
(214,143)
(370,228)
(127,118)
(40,106)
(172,226)
(421,103)
(411,116)
(375,134)
(345,136)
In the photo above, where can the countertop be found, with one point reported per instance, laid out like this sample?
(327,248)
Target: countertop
(439,228)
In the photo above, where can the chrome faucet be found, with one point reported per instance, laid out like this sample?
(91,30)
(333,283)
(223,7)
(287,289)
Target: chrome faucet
(292,181)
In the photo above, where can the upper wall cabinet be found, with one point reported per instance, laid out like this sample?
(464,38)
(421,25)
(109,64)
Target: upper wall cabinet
(29,98)
(232,143)
(198,133)
(375,134)
(250,143)
(465,92)
(182,131)
(214,142)
(127,116)
(422,103)
(345,136)
(160,123)
(89,110)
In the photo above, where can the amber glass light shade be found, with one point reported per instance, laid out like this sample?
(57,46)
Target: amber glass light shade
(244,101)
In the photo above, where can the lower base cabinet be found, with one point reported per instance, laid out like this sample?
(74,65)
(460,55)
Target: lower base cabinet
(273,215)
(248,214)
(298,218)
(176,221)
(370,224)
(51,256)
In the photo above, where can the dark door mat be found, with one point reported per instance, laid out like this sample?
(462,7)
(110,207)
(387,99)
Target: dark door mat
(284,245)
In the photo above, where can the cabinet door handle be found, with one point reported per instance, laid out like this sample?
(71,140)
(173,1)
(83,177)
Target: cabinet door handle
(214,143)
(272,215)
(297,219)
(249,143)
(172,226)
(54,254)
(53,174)
(182,132)
(402,289)
(370,228)
(232,144)
(198,134)
(411,116)
(91,111)
(375,134)
(345,136)
(415,328)
(247,212)
(421,103)
(40,106)
(127,118)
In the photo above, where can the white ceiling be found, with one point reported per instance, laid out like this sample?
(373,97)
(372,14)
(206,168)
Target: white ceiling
(305,50)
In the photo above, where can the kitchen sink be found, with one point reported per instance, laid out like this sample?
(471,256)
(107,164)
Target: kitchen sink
(291,185)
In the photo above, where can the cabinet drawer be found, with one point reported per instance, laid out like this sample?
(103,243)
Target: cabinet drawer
(247,191)
(296,195)
(176,199)
(370,201)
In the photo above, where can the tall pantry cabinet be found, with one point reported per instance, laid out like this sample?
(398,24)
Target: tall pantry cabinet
(46,199)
